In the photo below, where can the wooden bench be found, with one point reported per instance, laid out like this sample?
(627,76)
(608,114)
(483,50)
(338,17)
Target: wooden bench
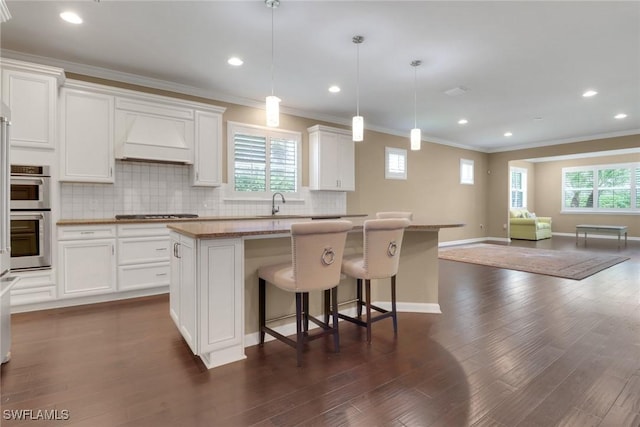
(618,230)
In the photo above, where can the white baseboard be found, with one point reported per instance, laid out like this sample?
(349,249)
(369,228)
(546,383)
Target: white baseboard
(474,240)
(402,307)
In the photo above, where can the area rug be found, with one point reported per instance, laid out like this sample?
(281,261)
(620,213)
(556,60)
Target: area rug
(567,264)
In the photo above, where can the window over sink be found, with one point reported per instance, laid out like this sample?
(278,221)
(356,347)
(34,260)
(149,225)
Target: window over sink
(263,160)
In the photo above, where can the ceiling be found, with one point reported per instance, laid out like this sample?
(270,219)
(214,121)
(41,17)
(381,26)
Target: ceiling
(523,66)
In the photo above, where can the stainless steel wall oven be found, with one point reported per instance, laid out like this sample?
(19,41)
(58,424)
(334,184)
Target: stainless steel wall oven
(30,217)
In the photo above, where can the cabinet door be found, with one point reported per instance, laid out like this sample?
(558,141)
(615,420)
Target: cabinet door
(86,135)
(207,164)
(32,99)
(346,159)
(221,297)
(326,161)
(184,284)
(87,267)
(174,281)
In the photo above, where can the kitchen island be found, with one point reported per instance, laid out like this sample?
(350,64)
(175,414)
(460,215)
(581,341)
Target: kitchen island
(214,281)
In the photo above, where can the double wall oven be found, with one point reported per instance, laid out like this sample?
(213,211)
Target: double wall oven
(30,217)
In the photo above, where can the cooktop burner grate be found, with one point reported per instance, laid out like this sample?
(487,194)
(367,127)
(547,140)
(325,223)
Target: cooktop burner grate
(156,216)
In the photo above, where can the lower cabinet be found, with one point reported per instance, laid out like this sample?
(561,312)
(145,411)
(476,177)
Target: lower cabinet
(143,256)
(207,295)
(33,287)
(87,267)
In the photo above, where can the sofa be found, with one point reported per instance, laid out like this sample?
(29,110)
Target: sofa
(527,226)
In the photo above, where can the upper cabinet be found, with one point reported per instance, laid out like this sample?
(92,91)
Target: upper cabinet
(86,134)
(331,159)
(31,92)
(207,165)
(151,130)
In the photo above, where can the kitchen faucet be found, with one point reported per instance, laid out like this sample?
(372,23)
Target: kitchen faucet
(275,209)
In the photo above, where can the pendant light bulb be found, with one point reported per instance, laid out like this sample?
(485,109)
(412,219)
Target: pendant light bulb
(416,134)
(358,121)
(272,106)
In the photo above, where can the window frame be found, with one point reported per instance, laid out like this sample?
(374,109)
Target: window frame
(269,134)
(466,164)
(388,173)
(634,204)
(524,172)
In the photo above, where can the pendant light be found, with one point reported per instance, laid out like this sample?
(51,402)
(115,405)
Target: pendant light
(272,101)
(416,134)
(358,122)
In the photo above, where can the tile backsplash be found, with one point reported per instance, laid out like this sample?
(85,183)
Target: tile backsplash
(166,188)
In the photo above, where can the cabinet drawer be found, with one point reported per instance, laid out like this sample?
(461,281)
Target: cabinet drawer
(143,250)
(81,232)
(143,276)
(142,230)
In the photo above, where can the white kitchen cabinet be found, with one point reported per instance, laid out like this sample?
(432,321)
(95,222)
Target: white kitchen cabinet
(331,159)
(86,264)
(183,289)
(86,135)
(207,296)
(143,256)
(151,129)
(33,286)
(207,164)
(31,92)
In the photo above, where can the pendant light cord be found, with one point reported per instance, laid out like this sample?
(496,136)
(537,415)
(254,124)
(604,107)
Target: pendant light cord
(357,79)
(415,97)
(272,49)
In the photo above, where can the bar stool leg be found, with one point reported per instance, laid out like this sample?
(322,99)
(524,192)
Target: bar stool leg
(367,285)
(393,305)
(305,310)
(299,336)
(327,305)
(336,335)
(261,309)
(359,296)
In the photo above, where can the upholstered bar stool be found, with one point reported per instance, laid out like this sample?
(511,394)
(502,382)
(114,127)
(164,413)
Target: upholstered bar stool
(384,215)
(317,248)
(379,260)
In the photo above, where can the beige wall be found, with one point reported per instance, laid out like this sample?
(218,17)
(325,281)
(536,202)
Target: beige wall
(498,203)
(432,191)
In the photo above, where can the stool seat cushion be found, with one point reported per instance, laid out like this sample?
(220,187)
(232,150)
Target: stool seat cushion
(353,266)
(280,275)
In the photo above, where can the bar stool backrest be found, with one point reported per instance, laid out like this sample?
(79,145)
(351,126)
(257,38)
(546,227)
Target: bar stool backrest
(317,249)
(382,244)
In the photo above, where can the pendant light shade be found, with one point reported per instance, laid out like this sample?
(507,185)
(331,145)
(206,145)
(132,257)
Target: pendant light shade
(416,134)
(358,120)
(272,102)
(273,111)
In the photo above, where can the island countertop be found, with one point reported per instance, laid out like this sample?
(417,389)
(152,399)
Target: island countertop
(258,227)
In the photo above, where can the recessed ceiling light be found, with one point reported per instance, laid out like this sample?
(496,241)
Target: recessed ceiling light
(620,116)
(463,121)
(71,17)
(235,61)
(334,89)
(537,119)
(508,134)
(589,93)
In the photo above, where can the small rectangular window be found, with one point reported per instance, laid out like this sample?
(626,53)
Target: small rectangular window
(395,164)
(466,171)
(518,186)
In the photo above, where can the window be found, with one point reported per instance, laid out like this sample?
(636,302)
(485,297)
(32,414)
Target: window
(263,160)
(518,185)
(466,171)
(601,188)
(395,164)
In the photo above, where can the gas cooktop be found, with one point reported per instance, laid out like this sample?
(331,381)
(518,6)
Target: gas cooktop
(156,216)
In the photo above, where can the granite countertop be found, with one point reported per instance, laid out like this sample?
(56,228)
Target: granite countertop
(100,221)
(259,227)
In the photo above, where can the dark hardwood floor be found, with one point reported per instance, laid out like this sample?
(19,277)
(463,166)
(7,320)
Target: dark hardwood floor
(510,349)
